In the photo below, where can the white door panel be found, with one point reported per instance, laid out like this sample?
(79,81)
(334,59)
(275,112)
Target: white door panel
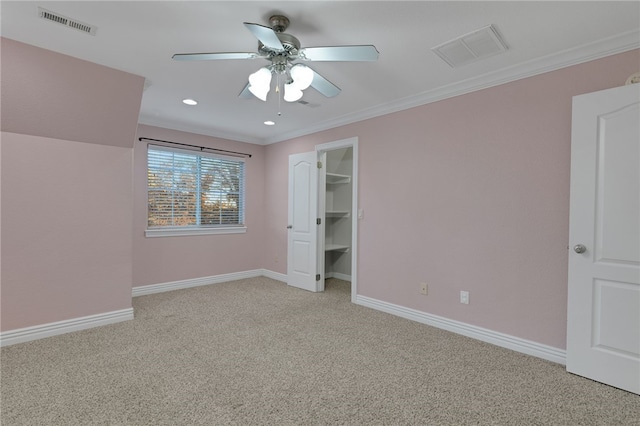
(610,331)
(617,213)
(302,229)
(603,324)
(301,250)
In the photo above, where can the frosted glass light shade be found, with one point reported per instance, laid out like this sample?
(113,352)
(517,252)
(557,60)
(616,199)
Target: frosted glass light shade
(302,76)
(291,92)
(260,83)
(260,78)
(259,92)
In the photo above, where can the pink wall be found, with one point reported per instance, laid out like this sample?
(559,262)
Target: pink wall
(45,93)
(67,205)
(469,193)
(66,230)
(159,260)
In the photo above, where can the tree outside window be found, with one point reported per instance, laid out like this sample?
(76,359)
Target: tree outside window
(189,189)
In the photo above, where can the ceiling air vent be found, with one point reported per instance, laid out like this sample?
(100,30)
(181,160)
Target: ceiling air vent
(471,47)
(66,21)
(305,103)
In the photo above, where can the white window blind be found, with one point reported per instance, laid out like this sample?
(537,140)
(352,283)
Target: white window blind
(188,189)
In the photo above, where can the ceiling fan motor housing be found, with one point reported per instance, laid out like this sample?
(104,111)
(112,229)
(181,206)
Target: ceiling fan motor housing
(290,43)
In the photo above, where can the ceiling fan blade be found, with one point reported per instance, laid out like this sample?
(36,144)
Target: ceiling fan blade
(246,94)
(266,35)
(339,53)
(213,56)
(324,86)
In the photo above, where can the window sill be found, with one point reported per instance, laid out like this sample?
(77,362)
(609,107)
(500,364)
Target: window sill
(185,232)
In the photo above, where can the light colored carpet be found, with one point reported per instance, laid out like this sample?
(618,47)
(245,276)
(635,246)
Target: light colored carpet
(256,352)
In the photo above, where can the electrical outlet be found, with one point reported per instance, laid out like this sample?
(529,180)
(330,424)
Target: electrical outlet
(424,289)
(464,297)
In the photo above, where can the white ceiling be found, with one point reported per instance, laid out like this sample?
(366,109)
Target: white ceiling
(140,38)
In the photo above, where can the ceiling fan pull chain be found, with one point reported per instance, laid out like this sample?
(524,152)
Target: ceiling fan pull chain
(279,94)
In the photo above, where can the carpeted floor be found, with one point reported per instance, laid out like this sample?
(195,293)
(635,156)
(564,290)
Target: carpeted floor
(256,352)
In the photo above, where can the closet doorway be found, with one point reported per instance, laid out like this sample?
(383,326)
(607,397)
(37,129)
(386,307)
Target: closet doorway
(325,196)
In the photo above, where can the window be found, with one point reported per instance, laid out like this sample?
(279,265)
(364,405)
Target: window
(193,193)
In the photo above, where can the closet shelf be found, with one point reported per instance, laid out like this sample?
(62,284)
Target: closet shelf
(333,178)
(338,214)
(336,247)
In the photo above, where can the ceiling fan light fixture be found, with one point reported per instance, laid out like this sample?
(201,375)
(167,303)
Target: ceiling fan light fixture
(292,92)
(260,83)
(281,49)
(302,76)
(261,79)
(259,92)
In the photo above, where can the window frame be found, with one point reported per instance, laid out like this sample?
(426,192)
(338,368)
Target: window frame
(192,230)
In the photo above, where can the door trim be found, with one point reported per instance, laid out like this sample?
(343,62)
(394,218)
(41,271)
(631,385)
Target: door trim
(346,143)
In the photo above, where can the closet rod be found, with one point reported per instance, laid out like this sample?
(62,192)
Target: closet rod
(201,148)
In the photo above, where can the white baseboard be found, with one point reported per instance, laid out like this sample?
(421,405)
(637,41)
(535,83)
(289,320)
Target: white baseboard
(214,279)
(196,282)
(27,334)
(499,339)
(274,275)
(338,275)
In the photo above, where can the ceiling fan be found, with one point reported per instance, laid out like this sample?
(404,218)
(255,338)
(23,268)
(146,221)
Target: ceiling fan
(282,50)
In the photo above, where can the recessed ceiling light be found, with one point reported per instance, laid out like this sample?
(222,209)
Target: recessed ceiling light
(190,101)
(270,123)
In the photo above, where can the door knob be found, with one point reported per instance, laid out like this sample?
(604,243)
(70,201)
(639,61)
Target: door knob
(289,226)
(579,248)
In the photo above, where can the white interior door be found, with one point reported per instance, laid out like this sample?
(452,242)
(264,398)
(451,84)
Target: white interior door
(603,328)
(302,247)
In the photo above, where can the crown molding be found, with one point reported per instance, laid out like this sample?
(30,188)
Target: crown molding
(164,124)
(588,52)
